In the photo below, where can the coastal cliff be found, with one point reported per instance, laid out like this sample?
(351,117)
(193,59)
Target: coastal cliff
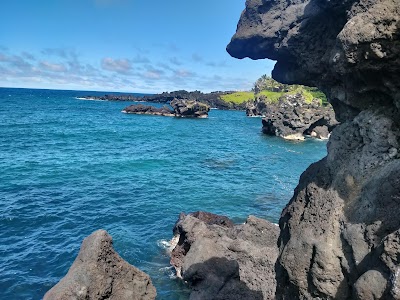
(340,232)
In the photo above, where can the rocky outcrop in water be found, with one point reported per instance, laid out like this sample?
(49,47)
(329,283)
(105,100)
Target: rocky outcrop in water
(189,108)
(141,109)
(340,231)
(182,108)
(100,273)
(221,260)
(291,117)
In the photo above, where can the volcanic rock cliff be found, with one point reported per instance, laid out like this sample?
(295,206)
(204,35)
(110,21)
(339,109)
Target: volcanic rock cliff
(340,233)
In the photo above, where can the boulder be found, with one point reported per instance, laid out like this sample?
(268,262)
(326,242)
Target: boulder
(100,273)
(339,232)
(221,260)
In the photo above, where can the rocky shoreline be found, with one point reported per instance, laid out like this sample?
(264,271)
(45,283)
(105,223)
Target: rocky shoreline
(212,99)
(339,235)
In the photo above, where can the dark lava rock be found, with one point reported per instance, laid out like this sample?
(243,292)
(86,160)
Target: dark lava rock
(292,118)
(182,108)
(257,107)
(224,261)
(100,273)
(212,99)
(141,109)
(188,108)
(340,231)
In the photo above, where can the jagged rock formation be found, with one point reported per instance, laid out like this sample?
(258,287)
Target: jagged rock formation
(140,109)
(99,272)
(182,108)
(340,232)
(257,107)
(221,260)
(292,118)
(189,108)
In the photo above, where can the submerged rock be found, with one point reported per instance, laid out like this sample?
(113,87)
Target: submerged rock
(340,232)
(100,273)
(182,108)
(292,118)
(221,260)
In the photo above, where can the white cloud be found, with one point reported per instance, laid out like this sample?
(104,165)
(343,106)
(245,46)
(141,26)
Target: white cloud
(184,73)
(121,66)
(52,67)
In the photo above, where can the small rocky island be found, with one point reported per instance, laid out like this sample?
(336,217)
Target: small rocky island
(182,108)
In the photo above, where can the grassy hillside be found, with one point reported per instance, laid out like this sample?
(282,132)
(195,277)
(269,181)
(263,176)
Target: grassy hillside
(238,97)
(273,90)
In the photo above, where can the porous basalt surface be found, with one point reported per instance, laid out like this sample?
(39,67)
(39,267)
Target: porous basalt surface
(340,231)
(293,118)
(99,272)
(221,260)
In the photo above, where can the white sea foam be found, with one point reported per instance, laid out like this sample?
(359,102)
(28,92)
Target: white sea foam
(89,99)
(163,244)
(170,271)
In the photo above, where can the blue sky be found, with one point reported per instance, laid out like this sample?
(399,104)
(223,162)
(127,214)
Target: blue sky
(123,45)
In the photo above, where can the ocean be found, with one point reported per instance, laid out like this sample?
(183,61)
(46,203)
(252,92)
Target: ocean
(69,167)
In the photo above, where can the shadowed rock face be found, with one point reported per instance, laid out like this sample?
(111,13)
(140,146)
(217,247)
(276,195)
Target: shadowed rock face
(340,231)
(221,260)
(349,49)
(100,273)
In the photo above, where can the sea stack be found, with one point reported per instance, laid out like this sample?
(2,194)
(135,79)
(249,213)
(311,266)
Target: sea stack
(340,232)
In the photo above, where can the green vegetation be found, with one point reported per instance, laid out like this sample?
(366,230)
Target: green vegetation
(273,90)
(271,96)
(238,97)
(269,87)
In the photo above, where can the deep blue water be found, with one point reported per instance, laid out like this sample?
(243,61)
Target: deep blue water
(69,167)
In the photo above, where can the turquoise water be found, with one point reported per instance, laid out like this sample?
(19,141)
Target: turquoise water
(69,167)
